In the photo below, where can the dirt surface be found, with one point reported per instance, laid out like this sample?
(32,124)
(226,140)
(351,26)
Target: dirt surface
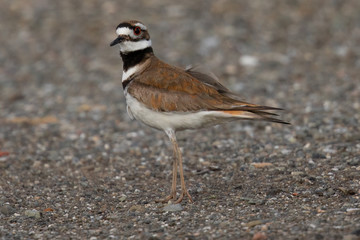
(73,165)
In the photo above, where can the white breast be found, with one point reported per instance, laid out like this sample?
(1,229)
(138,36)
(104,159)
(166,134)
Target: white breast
(174,120)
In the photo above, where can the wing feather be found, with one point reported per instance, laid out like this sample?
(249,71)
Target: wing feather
(164,88)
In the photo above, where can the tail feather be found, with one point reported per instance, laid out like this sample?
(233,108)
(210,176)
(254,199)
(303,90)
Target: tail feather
(256,114)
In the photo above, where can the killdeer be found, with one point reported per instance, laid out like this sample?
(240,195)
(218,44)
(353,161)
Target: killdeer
(171,99)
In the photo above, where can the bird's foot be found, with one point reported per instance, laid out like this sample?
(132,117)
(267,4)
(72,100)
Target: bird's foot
(172,196)
(184,193)
(167,199)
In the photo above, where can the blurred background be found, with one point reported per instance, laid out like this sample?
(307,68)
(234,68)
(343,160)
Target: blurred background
(63,118)
(300,55)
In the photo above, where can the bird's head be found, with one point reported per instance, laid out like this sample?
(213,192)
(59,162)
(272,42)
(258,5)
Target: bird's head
(132,36)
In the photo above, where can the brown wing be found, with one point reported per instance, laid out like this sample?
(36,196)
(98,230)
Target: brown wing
(210,79)
(206,77)
(162,87)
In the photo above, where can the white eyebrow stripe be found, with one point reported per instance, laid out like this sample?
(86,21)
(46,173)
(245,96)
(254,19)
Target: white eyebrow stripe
(123,31)
(142,26)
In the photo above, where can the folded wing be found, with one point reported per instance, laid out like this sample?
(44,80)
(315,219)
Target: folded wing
(172,89)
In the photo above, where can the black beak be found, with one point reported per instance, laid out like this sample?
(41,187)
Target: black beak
(116,41)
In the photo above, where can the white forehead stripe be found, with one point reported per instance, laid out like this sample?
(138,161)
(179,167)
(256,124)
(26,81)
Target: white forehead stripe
(123,31)
(142,26)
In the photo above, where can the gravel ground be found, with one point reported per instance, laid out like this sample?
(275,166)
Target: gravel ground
(74,166)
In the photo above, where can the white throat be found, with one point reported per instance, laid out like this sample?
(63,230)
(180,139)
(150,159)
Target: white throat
(129,46)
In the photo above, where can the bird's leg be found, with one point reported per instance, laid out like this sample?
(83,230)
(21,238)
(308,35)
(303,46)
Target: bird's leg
(173,186)
(178,158)
(184,191)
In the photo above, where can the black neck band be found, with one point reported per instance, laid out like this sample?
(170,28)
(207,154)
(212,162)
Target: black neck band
(125,83)
(133,58)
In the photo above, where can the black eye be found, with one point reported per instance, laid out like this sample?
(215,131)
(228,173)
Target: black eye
(137,30)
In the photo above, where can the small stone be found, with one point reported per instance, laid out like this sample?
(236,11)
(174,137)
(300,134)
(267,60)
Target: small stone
(137,208)
(33,213)
(262,164)
(319,192)
(114,216)
(122,198)
(256,202)
(253,201)
(7,210)
(259,236)
(347,191)
(248,61)
(353,210)
(147,221)
(330,192)
(298,173)
(37,164)
(285,151)
(253,223)
(147,173)
(199,190)
(173,208)
(354,161)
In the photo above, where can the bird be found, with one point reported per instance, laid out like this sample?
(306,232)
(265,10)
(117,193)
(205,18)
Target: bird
(171,99)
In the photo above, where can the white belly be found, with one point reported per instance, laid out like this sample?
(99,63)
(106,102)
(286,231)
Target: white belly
(174,120)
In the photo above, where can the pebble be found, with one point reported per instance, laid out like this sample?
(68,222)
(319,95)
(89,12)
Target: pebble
(137,208)
(319,192)
(33,213)
(122,198)
(248,61)
(7,210)
(298,173)
(347,191)
(330,192)
(354,162)
(259,236)
(353,210)
(252,201)
(253,223)
(173,208)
